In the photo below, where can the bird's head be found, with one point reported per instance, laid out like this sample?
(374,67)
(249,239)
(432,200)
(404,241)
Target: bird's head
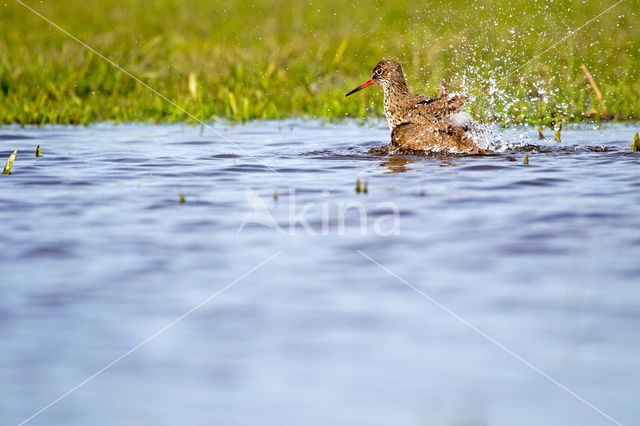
(387,72)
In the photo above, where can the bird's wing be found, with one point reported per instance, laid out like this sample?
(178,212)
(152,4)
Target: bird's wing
(441,107)
(429,110)
(426,101)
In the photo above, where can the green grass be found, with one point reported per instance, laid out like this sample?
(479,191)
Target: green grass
(267,59)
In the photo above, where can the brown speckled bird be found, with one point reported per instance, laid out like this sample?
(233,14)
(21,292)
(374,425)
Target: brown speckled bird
(418,123)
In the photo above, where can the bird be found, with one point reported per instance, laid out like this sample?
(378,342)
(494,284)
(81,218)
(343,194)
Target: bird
(419,123)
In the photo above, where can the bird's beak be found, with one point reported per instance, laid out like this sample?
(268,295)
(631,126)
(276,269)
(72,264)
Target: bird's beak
(362,86)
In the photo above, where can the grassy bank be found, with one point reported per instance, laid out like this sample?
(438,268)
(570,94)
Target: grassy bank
(282,58)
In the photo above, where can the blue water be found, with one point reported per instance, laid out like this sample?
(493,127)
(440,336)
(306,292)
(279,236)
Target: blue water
(485,268)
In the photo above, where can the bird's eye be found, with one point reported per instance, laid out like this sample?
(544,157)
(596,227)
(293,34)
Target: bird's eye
(379,71)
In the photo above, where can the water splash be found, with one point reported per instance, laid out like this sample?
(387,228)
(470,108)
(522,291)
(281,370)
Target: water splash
(487,136)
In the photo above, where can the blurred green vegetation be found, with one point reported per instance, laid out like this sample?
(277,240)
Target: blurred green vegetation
(266,59)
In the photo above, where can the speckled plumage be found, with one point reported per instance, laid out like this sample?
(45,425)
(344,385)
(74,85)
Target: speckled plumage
(417,122)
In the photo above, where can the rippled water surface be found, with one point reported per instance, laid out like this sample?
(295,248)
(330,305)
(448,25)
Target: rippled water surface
(318,306)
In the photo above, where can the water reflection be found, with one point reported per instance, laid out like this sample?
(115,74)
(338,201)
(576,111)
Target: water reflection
(397,164)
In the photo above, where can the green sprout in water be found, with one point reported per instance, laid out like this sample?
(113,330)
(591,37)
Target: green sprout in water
(557,136)
(635,145)
(557,129)
(540,134)
(362,187)
(526,159)
(9,164)
(38,152)
(276,195)
(182,199)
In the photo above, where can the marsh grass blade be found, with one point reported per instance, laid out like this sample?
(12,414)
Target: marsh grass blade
(9,164)
(635,145)
(193,85)
(594,87)
(557,134)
